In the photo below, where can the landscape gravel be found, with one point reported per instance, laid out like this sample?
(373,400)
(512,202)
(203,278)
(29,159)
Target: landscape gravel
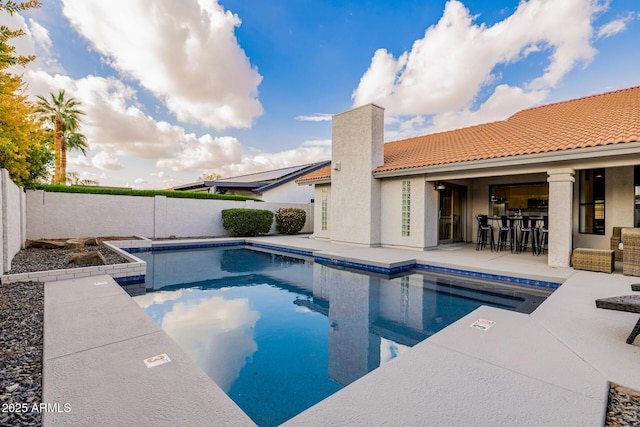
(21,341)
(37,259)
(623,408)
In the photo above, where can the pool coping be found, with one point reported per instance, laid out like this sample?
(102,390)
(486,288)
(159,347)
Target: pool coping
(327,406)
(404,265)
(131,275)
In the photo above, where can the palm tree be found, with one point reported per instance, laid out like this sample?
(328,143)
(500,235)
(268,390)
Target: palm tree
(74,179)
(71,141)
(63,115)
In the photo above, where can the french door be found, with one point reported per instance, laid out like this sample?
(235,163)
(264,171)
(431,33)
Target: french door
(452,202)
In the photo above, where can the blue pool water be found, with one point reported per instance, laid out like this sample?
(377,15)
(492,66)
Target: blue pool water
(279,334)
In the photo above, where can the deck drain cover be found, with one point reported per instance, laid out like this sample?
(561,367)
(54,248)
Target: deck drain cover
(482,324)
(154,361)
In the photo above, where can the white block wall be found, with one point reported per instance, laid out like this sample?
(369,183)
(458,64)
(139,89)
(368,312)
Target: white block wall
(13,230)
(66,215)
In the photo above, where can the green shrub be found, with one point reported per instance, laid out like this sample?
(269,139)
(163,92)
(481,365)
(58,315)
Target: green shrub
(290,220)
(247,222)
(144,193)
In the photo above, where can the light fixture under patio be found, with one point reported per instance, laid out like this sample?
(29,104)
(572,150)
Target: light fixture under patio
(438,186)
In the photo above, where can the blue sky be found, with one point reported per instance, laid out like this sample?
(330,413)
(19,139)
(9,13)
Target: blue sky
(173,90)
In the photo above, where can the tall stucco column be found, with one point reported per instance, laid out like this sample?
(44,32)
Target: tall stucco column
(356,149)
(560,216)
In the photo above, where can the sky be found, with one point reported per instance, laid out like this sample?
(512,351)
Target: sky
(172,90)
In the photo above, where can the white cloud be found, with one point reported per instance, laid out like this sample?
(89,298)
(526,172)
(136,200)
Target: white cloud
(616,26)
(434,78)
(152,298)
(316,117)
(185,53)
(226,157)
(106,161)
(317,143)
(201,153)
(505,101)
(112,122)
(35,42)
(79,161)
(217,333)
(40,36)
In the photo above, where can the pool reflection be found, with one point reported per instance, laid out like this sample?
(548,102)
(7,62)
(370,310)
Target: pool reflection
(253,319)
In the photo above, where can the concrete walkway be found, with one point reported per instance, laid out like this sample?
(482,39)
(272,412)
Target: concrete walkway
(548,368)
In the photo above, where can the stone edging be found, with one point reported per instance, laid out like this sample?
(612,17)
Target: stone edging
(126,273)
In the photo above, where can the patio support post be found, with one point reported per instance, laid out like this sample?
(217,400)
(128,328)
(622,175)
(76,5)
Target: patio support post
(560,216)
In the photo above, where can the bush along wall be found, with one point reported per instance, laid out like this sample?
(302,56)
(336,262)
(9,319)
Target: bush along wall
(290,220)
(247,222)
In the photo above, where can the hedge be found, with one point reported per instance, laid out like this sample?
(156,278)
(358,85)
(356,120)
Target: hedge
(144,193)
(290,220)
(241,222)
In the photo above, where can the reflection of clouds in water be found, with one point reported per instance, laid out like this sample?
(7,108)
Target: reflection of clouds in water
(389,350)
(149,299)
(217,333)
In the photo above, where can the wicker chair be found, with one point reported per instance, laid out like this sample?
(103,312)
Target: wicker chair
(628,303)
(616,239)
(631,251)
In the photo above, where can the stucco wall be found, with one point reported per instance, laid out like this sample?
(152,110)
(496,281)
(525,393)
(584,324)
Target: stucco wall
(60,215)
(65,215)
(12,235)
(289,193)
(391,213)
(357,149)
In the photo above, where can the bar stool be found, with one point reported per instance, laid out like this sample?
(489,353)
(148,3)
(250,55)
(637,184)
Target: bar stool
(513,224)
(505,232)
(525,235)
(543,231)
(485,232)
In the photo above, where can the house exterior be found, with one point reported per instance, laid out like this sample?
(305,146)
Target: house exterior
(276,185)
(576,161)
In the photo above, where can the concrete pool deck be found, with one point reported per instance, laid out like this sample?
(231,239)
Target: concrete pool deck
(552,367)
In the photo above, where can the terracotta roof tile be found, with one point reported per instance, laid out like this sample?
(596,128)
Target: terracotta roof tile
(597,120)
(323,172)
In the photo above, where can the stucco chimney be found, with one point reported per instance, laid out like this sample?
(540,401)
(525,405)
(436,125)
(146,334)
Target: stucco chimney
(356,149)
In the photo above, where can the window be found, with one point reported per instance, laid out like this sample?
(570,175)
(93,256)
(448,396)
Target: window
(406,208)
(323,208)
(592,201)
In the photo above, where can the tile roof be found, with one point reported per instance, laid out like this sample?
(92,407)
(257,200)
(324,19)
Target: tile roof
(597,120)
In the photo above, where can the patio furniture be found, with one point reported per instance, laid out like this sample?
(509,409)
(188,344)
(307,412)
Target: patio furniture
(631,251)
(616,239)
(526,235)
(505,233)
(593,260)
(485,233)
(629,303)
(542,232)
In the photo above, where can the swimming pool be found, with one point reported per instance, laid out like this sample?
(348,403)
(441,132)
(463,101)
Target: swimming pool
(279,334)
